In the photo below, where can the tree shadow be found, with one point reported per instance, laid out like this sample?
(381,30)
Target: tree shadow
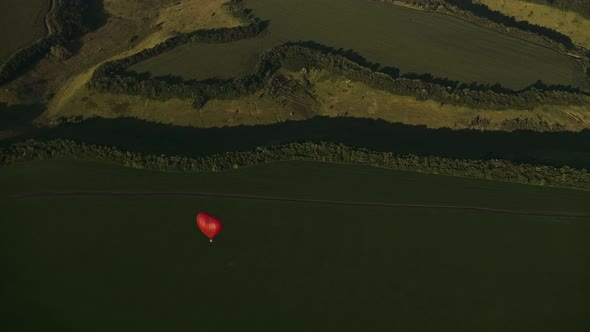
(16,116)
(85,17)
(94,14)
(509,21)
(551,148)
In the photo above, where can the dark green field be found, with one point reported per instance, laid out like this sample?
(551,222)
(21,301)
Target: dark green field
(138,263)
(21,23)
(411,40)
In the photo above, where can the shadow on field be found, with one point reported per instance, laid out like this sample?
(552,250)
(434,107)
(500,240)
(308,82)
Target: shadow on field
(15,116)
(94,14)
(555,148)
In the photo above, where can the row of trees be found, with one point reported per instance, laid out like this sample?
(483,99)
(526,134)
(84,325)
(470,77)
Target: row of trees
(112,77)
(328,152)
(65,21)
(297,57)
(24,58)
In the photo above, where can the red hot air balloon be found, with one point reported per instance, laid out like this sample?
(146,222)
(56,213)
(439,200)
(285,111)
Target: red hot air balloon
(209,225)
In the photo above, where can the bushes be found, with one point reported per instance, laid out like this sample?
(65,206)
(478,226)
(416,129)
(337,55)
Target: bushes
(329,152)
(24,58)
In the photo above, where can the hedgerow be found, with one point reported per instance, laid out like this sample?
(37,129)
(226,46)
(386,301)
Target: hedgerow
(494,169)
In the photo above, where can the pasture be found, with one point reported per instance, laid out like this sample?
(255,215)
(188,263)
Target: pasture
(22,22)
(392,36)
(98,263)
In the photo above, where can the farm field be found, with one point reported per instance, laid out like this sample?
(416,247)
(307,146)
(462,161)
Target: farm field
(88,263)
(415,42)
(21,23)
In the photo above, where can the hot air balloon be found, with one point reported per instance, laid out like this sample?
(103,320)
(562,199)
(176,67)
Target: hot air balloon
(209,225)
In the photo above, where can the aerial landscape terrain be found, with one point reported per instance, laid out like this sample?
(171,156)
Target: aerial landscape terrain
(363,165)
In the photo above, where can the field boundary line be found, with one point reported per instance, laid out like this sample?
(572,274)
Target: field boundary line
(304,200)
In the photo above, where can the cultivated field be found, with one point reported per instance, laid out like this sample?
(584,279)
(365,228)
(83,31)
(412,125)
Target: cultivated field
(411,40)
(21,23)
(139,262)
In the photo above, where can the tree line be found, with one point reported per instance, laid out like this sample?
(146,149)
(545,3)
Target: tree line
(112,77)
(493,169)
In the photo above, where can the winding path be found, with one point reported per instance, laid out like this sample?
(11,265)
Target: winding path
(48,26)
(562,214)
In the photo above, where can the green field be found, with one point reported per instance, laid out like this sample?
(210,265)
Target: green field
(21,23)
(138,263)
(411,40)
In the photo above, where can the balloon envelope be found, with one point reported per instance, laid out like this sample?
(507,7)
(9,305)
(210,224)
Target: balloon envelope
(209,225)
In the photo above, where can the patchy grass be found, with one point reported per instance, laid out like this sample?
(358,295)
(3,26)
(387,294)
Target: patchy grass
(331,95)
(251,110)
(574,25)
(341,97)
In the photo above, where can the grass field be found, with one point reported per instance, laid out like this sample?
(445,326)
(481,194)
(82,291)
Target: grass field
(411,40)
(574,25)
(21,23)
(139,263)
(336,96)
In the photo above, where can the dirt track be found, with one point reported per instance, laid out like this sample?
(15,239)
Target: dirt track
(562,214)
